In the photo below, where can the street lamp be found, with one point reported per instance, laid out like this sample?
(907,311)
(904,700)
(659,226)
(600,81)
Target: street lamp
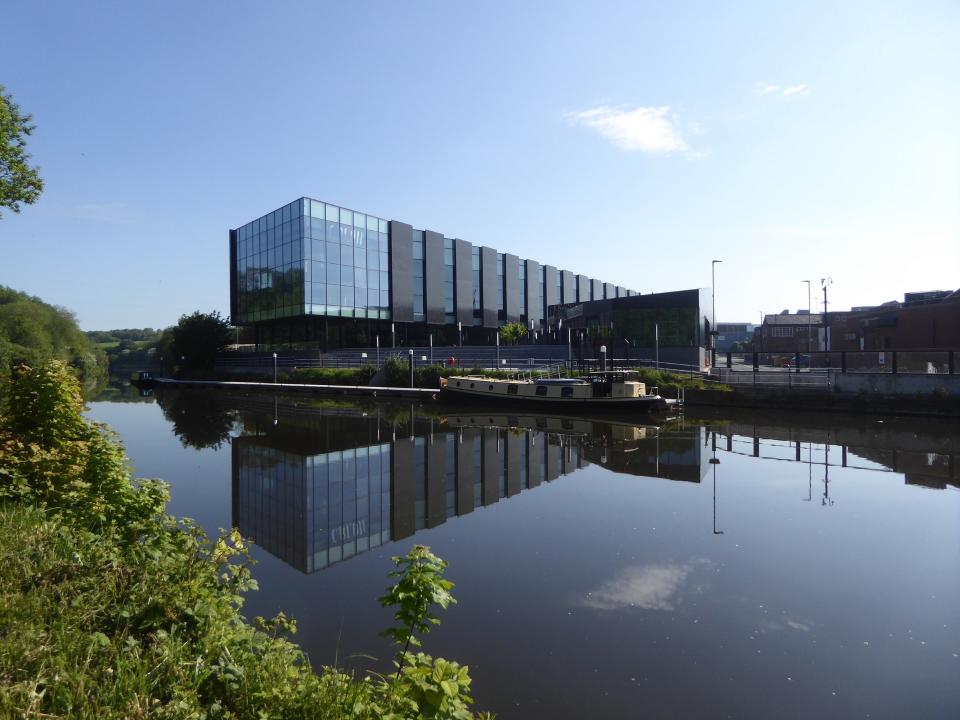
(274,368)
(826,282)
(808,315)
(713,311)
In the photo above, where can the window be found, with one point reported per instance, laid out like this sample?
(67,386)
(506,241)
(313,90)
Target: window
(541,390)
(566,391)
(511,389)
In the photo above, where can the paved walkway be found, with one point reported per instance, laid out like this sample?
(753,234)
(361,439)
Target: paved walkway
(362,390)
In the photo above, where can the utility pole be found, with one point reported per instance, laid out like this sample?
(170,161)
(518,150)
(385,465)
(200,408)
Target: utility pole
(826,282)
(713,313)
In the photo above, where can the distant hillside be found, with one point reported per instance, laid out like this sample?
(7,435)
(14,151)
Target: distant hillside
(128,348)
(32,332)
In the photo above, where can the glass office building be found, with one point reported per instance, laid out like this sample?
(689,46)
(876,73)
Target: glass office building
(315,274)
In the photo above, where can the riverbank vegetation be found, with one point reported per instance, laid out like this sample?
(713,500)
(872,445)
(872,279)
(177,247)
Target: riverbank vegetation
(110,608)
(33,332)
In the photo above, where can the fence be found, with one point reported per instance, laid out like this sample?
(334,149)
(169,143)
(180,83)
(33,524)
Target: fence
(924,362)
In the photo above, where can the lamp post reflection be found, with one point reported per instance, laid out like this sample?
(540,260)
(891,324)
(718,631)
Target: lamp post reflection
(714,461)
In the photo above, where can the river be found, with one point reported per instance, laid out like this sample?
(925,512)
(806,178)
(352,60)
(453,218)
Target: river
(749,565)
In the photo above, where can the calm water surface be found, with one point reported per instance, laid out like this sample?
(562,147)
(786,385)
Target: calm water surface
(749,566)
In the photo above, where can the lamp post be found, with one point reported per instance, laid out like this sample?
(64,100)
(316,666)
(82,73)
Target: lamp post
(274,368)
(825,282)
(713,312)
(761,331)
(808,315)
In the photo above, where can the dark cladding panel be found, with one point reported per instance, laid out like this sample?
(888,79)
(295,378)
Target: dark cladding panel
(403,489)
(535,443)
(436,479)
(463,281)
(233,277)
(550,285)
(491,465)
(569,287)
(554,461)
(609,291)
(513,482)
(583,288)
(534,308)
(597,289)
(488,282)
(433,276)
(511,300)
(466,469)
(401,271)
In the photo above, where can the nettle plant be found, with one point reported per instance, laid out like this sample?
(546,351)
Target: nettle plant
(423,686)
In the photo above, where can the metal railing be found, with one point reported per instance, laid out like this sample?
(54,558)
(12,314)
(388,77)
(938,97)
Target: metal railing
(925,362)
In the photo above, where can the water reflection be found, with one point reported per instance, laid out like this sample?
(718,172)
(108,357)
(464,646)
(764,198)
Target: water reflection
(318,483)
(327,484)
(833,590)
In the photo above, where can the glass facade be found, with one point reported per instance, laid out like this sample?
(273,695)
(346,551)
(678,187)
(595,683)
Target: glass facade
(419,270)
(312,258)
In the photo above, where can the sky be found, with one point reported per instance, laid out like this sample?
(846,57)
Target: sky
(633,142)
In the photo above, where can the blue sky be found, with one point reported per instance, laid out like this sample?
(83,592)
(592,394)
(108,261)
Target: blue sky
(632,142)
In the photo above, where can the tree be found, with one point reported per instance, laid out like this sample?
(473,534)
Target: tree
(196,339)
(513,332)
(19,183)
(33,332)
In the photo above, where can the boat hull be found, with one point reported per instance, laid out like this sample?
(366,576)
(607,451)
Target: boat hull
(567,405)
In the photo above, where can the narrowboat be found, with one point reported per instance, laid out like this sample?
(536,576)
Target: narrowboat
(607,390)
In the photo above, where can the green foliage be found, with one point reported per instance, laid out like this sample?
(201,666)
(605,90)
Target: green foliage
(131,348)
(424,687)
(52,456)
(196,339)
(33,332)
(19,183)
(111,609)
(116,336)
(512,333)
(397,373)
(666,380)
(333,376)
(430,687)
(419,587)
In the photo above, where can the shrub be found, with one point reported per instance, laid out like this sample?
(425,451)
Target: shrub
(333,376)
(110,608)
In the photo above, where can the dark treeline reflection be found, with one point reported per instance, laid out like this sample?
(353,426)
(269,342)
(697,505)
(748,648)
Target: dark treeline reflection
(317,486)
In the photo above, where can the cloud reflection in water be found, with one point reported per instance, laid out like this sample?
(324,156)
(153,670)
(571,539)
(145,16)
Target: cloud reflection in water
(651,587)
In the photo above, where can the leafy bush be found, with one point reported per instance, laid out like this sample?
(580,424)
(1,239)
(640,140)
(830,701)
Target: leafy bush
(333,376)
(109,608)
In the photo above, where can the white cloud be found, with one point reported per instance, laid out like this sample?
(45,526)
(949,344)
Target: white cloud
(651,587)
(643,129)
(764,88)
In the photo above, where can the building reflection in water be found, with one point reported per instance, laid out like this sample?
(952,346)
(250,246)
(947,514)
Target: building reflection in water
(317,487)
